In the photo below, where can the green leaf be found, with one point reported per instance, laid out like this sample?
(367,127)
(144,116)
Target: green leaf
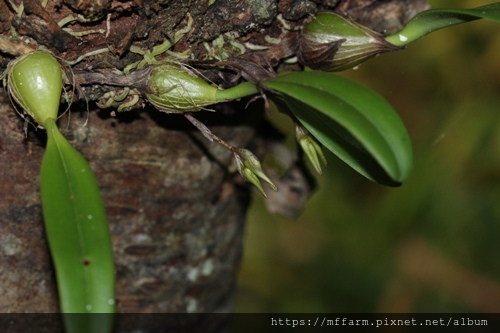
(434,19)
(350,120)
(78,235)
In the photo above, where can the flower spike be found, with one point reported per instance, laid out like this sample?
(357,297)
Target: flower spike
(312,149)
(251,170)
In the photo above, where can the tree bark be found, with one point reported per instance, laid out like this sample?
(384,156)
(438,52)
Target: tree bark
(176,210)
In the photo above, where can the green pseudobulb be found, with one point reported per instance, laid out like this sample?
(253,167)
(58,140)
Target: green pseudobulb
(35,83)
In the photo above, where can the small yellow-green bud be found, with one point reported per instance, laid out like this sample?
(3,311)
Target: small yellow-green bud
(34,81)
(330,42)
(311,148)
(250,169)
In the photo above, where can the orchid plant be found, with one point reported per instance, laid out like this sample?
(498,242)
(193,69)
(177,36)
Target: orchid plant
(350,120)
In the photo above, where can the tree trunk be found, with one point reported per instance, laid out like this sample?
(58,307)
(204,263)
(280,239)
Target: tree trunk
(176,211)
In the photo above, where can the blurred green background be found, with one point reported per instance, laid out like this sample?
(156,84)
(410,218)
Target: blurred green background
(431,245)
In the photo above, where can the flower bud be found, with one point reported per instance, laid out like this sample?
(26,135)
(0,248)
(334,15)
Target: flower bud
(250,169)
(330,42)
(173,88)
(34,81)
(312,149)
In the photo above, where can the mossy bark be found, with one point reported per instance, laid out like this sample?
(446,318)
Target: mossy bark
(176,211)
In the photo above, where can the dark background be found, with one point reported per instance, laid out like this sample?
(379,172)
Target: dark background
(431,245)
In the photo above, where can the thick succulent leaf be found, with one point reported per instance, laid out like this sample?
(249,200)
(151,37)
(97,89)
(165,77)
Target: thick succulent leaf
(78,235)
(350,120)
(434,19)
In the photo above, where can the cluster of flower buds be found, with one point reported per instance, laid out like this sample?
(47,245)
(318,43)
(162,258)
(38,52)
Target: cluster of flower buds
(250,169)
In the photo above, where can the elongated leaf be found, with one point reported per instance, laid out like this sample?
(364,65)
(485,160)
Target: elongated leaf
(78,235)
(435,19)
(350,120)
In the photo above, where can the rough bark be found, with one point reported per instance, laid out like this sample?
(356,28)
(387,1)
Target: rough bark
(176,211)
